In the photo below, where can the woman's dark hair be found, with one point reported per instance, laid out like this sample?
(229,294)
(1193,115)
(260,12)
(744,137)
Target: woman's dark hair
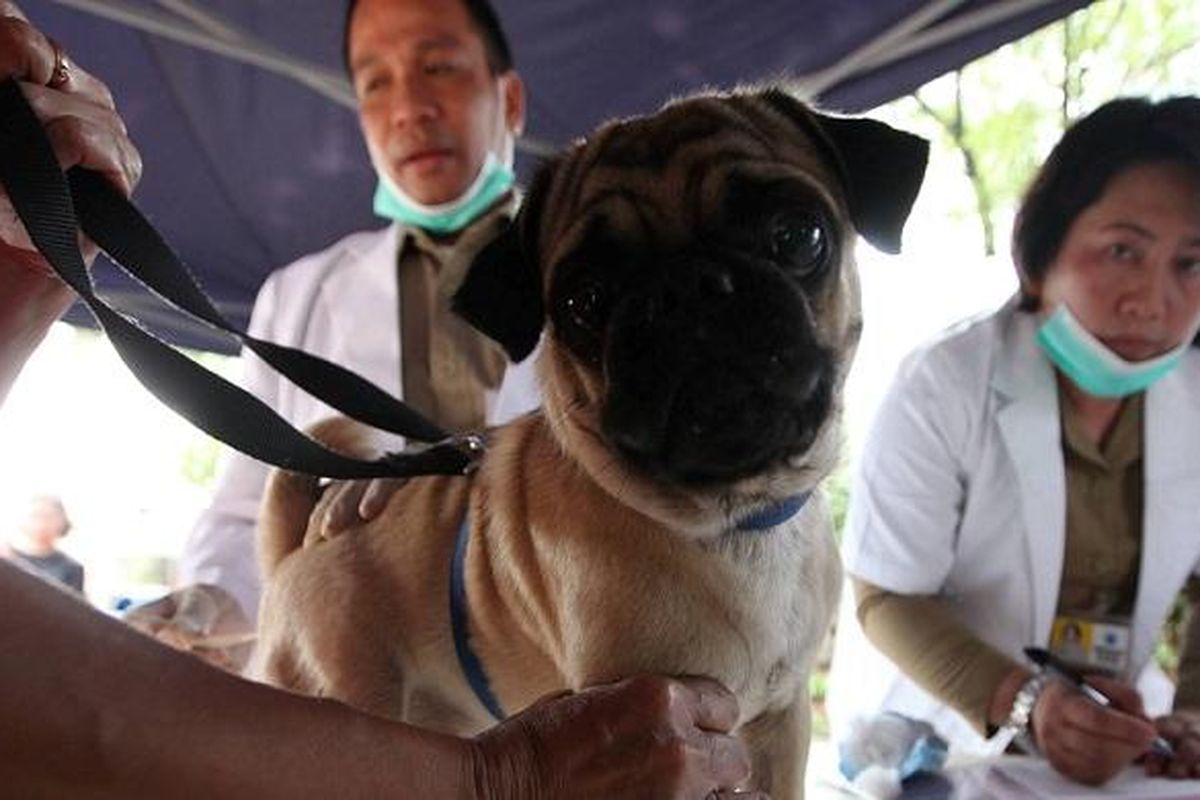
(1118,135)
(487,23)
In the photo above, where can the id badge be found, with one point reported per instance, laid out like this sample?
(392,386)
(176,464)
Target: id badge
(1091,645)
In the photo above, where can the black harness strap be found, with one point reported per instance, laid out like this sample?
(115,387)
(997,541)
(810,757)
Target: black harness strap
(48,205)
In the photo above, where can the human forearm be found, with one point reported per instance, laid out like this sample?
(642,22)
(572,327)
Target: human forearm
(938,652)
(94,709)
(30,301)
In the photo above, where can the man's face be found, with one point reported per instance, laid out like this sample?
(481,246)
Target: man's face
(430,107)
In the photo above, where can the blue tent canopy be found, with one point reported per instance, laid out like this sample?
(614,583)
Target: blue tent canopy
(252,150)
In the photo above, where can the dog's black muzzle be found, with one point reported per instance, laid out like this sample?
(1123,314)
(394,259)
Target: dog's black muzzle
(714,371)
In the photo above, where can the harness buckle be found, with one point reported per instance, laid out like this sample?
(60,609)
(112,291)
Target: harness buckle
(471,445)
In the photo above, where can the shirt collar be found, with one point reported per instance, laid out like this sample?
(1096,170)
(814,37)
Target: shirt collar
(1122,446)
(471,237)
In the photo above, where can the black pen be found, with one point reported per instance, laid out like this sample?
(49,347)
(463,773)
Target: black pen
(1049,662)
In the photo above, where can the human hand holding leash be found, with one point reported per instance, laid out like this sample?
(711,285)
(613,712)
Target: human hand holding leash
(84,129)
(78,113)
(647,736)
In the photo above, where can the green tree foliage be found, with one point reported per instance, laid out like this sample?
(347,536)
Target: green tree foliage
(837,494)
(199,462)
(998,116)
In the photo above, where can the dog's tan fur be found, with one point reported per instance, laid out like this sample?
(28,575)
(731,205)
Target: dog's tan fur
(579,569)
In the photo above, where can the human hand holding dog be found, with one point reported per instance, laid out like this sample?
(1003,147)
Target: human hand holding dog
(647,736)
(352,503)
(203,620)
(1084,741)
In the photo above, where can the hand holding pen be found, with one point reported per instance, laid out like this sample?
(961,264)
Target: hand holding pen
(1085,740)
(1051,664)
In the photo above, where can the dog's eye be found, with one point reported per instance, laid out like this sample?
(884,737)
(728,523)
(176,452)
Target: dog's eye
(798,242)
(587,306)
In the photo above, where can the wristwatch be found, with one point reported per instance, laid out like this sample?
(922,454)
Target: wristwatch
(1021,713)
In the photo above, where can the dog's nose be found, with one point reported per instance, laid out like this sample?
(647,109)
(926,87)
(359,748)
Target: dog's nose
(717,283)
(637,436)
(808,384)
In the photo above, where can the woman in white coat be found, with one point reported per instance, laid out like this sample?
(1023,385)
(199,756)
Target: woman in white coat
(1033,478)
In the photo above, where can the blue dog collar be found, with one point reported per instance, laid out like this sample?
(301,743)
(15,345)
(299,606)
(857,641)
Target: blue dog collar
(771,516)
(468,659)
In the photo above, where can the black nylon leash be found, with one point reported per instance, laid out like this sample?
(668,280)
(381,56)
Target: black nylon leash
(55,207)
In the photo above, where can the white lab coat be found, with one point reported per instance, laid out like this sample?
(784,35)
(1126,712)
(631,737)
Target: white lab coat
(341,304)
(961,492)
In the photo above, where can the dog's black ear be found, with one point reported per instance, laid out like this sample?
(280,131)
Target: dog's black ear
(501,295)
(880,166)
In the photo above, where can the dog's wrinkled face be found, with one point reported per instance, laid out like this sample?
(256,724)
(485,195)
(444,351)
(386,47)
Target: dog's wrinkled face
(694,271)
(705,326)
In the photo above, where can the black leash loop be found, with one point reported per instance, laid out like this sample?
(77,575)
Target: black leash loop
(47,205)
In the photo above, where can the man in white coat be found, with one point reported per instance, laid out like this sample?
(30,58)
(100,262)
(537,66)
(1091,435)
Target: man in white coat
(440,105)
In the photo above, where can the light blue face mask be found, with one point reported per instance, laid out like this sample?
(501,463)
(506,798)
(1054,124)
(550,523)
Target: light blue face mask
(493,181)
(1092,366)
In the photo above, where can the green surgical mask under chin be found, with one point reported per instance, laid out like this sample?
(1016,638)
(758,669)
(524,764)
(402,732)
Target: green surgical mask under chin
(492,183)
(1095,368)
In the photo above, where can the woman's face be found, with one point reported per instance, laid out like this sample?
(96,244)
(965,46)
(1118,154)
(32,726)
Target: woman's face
(1129,266)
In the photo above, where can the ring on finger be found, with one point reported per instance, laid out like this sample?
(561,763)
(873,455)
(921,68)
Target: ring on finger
(61,74)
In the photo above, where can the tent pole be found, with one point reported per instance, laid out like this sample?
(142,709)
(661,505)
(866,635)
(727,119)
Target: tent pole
(205,20)
(959,26)
(813,84)
(891,47)
(325,82)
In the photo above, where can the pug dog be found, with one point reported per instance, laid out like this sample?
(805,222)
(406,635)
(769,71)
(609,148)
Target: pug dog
(690,277)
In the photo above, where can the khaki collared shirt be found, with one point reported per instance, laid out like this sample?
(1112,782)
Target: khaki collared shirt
(1104,515)
(446,366)
(1100,568)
